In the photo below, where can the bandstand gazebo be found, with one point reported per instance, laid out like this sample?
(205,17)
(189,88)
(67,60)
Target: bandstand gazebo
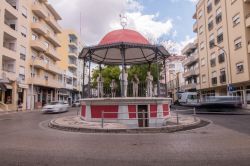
(125,47)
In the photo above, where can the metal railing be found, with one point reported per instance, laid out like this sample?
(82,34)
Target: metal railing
(177,117)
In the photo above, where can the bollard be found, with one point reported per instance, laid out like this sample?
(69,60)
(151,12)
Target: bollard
(102,119)
(194,114)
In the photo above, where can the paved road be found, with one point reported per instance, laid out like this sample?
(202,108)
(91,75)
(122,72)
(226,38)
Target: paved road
(25,140)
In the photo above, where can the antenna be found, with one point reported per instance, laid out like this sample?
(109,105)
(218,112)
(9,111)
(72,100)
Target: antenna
(123,20)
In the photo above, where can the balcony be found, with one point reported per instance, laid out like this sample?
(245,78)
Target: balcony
(11,6)
(38,45)
(53,24)
(69,86)
(9,75)
(73,65)
(248,21)
(38,28)
(53,39)
(190,86)
(38,10)
(38,63)
(73,55)
(195,27)
(193,72)
(191,59)
(41,81)
(54,69)
(52,53)
(9,53)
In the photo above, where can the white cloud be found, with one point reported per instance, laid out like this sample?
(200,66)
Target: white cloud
(97,20)
(174,47)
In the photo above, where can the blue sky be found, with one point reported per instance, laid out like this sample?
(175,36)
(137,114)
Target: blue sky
(180,12)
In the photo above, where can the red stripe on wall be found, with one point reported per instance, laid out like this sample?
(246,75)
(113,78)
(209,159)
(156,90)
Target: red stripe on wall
(96,111)
(165,109)
(153,111)
(83,110)
(132,111)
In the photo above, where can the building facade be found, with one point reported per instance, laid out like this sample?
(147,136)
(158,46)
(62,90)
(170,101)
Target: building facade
(71,65)
(191,68)
(223,35)
(174,75)
(29,71)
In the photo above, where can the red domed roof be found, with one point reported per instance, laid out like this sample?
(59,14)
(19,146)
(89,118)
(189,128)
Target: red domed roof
(123,35)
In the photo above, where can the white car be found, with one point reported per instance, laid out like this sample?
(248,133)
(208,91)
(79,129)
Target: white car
(55,106)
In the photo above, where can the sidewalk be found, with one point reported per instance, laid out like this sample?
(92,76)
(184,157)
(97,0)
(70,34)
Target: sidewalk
(14,111)
(76,124)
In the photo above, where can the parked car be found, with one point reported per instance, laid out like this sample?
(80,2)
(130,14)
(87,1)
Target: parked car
(55,107)
(76,104)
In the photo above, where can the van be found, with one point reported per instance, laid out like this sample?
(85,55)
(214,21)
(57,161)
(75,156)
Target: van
(188,98)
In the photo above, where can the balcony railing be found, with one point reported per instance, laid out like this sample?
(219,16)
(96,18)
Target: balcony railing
(38,10)
(195,27)
(191,59)
(192,72)
(53,23)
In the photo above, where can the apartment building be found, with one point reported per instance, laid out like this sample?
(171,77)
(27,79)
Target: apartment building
(223,36)
(174,71)
(28,37)
(191,67)
(71,65)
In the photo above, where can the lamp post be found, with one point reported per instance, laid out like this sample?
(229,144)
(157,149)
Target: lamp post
(32,84)
(225,53)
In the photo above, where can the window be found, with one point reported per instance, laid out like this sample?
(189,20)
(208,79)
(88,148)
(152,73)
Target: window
(35,19)
(46,44)
(214,78)
(23,31)
(218,17)
(202,62)
(216,2)
(209,6)
(34,36)
(24,11)
(201,45)
(203,78)
(213,60)
(211,41)
(220,35)
(210,23)
(239,67)
(221,56)
(237,43)
(200,14)
(222,76)
(236,19)
(201,30)
(22,53)
(22,74)
(171,66)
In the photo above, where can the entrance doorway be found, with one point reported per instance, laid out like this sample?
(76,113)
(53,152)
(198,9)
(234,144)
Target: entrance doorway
(143,116)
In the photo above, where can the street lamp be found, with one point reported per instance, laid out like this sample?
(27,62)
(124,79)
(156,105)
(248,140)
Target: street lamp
(225,53)
(32,84)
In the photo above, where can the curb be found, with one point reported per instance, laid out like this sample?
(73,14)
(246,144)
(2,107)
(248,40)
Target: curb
(164,129)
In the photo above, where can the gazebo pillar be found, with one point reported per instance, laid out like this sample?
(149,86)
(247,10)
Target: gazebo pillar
(83,77)
(89,86)
(122,50)
(165,76)
(158,77)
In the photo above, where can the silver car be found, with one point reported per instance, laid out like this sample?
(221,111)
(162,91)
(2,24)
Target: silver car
(55,107)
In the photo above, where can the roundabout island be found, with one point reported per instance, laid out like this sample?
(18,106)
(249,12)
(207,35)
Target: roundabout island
(143,106)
